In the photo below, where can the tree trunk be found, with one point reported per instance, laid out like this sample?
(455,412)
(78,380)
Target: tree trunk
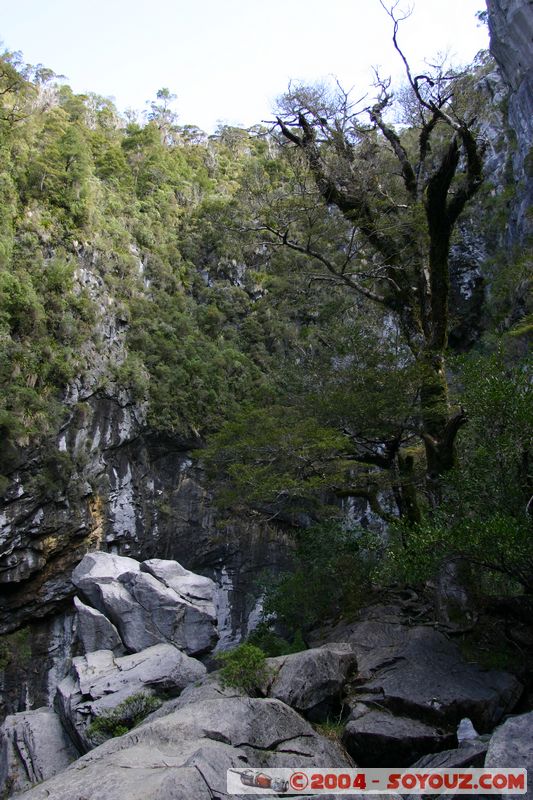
(439,429)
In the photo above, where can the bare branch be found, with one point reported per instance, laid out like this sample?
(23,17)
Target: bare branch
(474,173)
(408,173)
(342,277)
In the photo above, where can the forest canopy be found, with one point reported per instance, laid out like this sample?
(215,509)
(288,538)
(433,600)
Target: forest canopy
(286,295)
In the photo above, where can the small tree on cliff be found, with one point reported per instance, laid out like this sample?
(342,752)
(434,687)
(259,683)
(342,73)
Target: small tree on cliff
(401,189)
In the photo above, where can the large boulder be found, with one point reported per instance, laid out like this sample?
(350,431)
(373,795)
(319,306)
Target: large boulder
(33,748)
(418,672)
(511,745)
(186,583)
(185,754)
(376,738)
(103,566)
(312,681)
(95,631)
(146,603)
(471,755)
(99,682)
(188,624)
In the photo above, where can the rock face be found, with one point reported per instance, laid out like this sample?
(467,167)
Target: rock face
(121,489)
(95,631)
(417,671)
(312,681)
(512,746)
(126,491)
(185,754)
(472,755)
(138,495)
(413,688)
(33,748)
(99,682)
(142,609)
(378,737)
(511,43)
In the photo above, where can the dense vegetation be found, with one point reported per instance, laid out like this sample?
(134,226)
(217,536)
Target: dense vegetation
(284,297)
(129,713)
(244,668)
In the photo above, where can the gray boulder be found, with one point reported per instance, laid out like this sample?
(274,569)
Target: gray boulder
(312,681)
(137,630)
(33,748)
(140,601)
(471,755)
(185,754)
(186,583)
(95,631)
(102,567)
(99,682)
(418,672)
(188,624)
(511,745)
(378,737)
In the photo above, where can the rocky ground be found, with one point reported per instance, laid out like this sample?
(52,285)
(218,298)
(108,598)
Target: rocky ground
(383,690)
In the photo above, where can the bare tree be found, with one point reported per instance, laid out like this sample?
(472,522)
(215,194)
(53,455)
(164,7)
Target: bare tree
(402,191)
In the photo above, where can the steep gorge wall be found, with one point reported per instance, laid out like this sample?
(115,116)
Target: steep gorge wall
(104,481)
(511,43)
(111,484)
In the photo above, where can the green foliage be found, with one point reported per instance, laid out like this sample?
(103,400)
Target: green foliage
(194,380)
(331,729)
(301,388)
(488,646)
(144,200)
(483,516)
(272,455)
(53,479)
(132,375)
(333,566)
(302,440)
(43,322)
(123,718)
(493,472)
(15,649)
(244,668)
(274,645)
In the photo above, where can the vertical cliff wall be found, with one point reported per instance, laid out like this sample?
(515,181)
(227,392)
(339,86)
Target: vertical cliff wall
(511,43)
(105,481)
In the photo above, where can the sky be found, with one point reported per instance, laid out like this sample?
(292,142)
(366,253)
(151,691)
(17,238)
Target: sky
(228,60)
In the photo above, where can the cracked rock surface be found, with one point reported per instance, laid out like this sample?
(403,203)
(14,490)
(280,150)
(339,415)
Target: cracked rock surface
(99,682)
(146,603)
(33,747)
(312,681)
(185,752)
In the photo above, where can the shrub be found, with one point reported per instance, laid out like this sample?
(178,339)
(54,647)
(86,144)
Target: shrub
(123,718)
(15,649)
(274,645)
(331,728)
(244,668)
(331,578)
(483,517)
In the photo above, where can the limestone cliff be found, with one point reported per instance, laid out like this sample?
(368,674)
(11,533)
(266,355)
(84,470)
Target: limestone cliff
(511,37)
